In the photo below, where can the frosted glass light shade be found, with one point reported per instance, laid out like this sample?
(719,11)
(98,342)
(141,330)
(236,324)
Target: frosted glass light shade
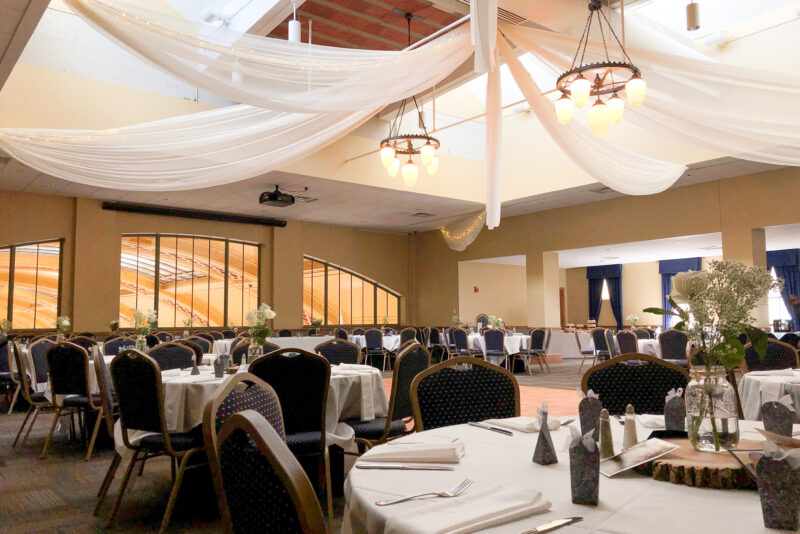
(428,153)
(394,168)
(387,156)
(599,118)
(564,109)
(410,174)
(434,166)
(616,106)
(635,90)
(579,89)
(294,31)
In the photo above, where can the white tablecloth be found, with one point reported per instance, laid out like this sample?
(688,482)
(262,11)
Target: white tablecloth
(629,503)
(649,346)
(304,343)
(758,387)
(222,346)
(513,343)
(389,342)
(564,343)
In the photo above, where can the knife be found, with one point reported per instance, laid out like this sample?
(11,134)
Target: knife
(552,525)
(403,467)
(492,428)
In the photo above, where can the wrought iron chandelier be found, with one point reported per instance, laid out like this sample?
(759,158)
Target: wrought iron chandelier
(585,80)
(403,144)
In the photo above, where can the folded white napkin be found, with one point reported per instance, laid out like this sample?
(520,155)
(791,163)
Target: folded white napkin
(651,420)
(470,512)
(523,424)
(774,372)
(416,451)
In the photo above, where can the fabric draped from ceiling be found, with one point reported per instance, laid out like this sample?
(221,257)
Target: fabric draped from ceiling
(494,144)
(461,233)
(787,266)
(606,162)
(273,73)
(737,111)
(483,16)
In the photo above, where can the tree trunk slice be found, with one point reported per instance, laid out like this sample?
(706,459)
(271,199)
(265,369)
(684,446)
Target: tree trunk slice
(687,466)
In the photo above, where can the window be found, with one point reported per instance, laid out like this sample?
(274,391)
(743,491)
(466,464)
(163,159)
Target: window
(30,283)
(214,281)
(337,296)
(777,308)
(604,295)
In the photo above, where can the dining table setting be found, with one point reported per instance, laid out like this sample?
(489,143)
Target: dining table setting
(758,387)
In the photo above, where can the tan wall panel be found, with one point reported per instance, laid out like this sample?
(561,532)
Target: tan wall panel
(501,292)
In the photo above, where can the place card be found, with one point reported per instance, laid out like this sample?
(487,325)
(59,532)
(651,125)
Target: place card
(675,410)
(778,418)
(545,453)
(589,412)
(778,487)
(584,468)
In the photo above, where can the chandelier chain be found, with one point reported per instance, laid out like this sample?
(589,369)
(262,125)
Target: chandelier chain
(611,29)
(580,42)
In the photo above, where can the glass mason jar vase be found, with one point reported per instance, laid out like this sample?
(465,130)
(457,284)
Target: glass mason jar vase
(141,343)
(60,337)
(254,350)
(711,416)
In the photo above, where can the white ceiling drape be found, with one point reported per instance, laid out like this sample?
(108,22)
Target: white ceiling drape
(273,73)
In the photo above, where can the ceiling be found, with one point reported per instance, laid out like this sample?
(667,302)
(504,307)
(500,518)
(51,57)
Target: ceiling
(370,24)
(503,260)
(782,237)
(18,19)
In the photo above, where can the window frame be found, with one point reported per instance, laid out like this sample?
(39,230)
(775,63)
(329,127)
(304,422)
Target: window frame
(364,280)
(11,267)
(227,241)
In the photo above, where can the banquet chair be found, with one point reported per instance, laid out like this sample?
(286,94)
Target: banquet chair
(340,333)
(136,379)
(205,335)
(627,342)
(104,401)
(673,344)
(481,320)
(461,390)
(264,488)
(202,342)
(163,337)
(373,346)
(239,350)
(83,341)
(285,333)
(779,355)
(389,332)
(494,343)
(245,334)
(8,382)
(435,343)
(338,351)
(460,340)
(791,339)
(358,331)
(641,333)
(197,350)
(301,380)
(90,335)
(536,349)
(215,334)
(651,332)
(601,350)
(410,362)
(38,355)
(611,343)
(770,335)
(426,336)
(152,341)
(114,335)
(111,348)
(37,402)
(644,386)
(408,334)
(70,386)
(228,334)
(585,353)
(171,355)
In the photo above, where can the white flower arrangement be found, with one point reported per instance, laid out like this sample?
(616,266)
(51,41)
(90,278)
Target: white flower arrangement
(633,319)
(188,322)
(5,325)
(144,323)
(257,319)
(495,321)
(62,324)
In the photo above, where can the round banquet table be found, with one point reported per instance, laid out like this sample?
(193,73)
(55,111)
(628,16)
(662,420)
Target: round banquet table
(629,503)
(758,387)
(389,342)
(514,343)
(649,346)
(222,346)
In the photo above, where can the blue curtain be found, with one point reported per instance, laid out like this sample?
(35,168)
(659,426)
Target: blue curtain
(615,297)
(668,269)
(787,266)
(595,297)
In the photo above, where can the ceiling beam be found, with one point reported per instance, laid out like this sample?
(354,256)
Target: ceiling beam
(26,24)
(272,18)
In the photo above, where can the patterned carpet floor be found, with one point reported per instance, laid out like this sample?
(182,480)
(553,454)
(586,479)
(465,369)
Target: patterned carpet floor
(57,494)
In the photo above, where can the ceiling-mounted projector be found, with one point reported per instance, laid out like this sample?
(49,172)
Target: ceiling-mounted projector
(275,198)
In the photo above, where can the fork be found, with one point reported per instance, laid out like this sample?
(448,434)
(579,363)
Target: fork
(455,492)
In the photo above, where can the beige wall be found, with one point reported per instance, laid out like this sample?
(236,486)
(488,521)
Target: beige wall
(501,291)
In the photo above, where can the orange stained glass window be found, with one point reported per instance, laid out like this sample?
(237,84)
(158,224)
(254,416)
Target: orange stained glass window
(29,284)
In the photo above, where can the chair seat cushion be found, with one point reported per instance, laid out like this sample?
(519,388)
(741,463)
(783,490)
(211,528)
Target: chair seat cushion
(180,441)
(682,363)
(373,430)
(495,353)
(80,401)
(375,351)
(304,442)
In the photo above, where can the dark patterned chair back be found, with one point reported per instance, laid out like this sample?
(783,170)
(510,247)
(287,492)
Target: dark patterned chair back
(68,367)
(106,392)
(791,339)
(358,331)
(644,386)
(651,332)
(484,329)
(611,343)
(410,362)
(172,356)
(373,339)
(408,334)
(202,342)
(264,486)
(196,349)
(627,341)
(770,335)
(301,380)
(494,339)
(641,333)
(152,341)
(338,351)
(673,344)
(137,384)
(341,333)
(743,339)
(114,335)
(482,319)
(537,339)
(38,350)
(5,356)
(214,334)
(245,334)
(239,350)
(163,337)
(447,394)
(228,334)
(434,338)
(599,338)
(90,335)
(460,339)
(83,341)
(779,355)
(205,335)
(285,333)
